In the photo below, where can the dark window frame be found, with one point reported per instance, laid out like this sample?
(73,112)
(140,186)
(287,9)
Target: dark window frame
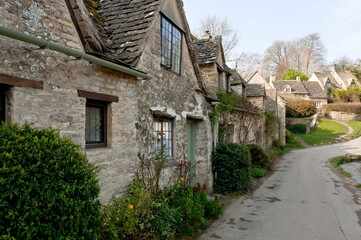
(227,83)
(219,77)
(104,115)
(162,120)
(174,26)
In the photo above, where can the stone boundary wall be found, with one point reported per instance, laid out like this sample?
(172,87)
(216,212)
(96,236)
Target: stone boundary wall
(343,116)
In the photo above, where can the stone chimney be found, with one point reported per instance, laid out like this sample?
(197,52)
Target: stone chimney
(258,68)
(333,69)
(298,78)
(243,73)
(206,35)
(272,78)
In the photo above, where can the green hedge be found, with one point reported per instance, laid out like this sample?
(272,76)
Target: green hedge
(48,190)
(259,157)
(231,165)
(296,128)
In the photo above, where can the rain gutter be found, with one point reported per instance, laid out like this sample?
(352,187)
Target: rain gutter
(44,44)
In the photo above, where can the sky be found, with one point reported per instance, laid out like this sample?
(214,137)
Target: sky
(261,22)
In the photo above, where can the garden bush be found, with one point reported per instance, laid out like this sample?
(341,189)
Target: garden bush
(259,157)
(173,213)
(344,107)
(296,128)
(301,108)
(231,165)
(129,217)
(196,210)
(258,172)
(48,190)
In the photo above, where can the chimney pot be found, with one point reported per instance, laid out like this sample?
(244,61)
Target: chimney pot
(298,78)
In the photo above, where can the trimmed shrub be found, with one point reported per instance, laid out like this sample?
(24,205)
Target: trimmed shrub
(344,107)
(231,165)
(301,108)
(259,157)
(48,190)
(296,128)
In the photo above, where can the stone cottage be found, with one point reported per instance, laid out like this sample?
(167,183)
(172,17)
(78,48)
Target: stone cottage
(100,68)
(272,101)
(335,79)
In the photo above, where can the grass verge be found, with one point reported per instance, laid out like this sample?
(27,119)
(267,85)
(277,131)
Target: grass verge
(327,131)
(290,145)
(356,126)
(337,161)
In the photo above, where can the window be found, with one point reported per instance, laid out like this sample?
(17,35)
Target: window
(96,117)
(327,85)
(2,102)
(318,104)
(219,78)
(352,84)
(163,134)
(171,45)
(96,124)
(227,83)
(288,90)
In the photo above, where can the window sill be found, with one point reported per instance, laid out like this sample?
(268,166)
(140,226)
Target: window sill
(170,70)
(95,145)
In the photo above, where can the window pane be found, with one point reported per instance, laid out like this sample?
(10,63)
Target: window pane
(94,124)
(163,137)
(171,41)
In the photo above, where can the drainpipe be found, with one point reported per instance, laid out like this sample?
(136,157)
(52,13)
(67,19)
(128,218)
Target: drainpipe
(70,52)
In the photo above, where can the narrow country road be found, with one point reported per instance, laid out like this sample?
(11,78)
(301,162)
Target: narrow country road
(303,199)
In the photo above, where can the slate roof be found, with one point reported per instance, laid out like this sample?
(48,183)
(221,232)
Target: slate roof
(255,90)
(235,77)
(249,76)
(314,90)
(327,75)
(126,23)
(347,77)
(296,86)
(207,50)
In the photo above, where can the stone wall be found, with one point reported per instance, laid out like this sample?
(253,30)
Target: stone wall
(58,104)
(343,116)
(176,96)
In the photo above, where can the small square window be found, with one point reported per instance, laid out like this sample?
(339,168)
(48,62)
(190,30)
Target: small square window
(96,124)
(163,134)
(318,104)
(171,45)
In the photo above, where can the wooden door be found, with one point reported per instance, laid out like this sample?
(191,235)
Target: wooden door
(191,146)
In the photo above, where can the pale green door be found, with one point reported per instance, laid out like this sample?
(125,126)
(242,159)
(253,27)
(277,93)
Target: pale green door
(191,146)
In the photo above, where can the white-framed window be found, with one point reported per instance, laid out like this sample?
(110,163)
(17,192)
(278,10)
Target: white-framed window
(288,90)
(163,134)
(318,104)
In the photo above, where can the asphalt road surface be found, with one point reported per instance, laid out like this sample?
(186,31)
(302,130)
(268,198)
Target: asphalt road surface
(303,199)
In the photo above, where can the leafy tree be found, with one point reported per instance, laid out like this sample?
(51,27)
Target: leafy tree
(292,74)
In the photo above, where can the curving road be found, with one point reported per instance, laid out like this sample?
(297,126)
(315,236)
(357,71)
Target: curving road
(303,199)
